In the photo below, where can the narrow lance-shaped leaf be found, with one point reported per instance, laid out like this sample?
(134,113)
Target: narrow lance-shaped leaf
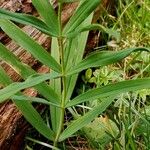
(4,79)
(46,11)
(29,44)
(25,71)
(33,99)
(73,55)
(103,58)
(111,32)
(67,1)
(111,89)
(13,88)
(46,145)
(55,113)
(34,118)
(84,10)
(106,91)
(28,110)
(27,20)
(135,111)
(84,120)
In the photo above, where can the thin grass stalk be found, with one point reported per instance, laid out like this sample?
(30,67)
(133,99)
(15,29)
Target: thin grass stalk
(63,78)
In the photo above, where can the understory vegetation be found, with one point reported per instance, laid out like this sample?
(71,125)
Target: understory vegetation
(100,101)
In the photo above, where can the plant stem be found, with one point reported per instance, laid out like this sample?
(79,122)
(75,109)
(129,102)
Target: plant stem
(61,51)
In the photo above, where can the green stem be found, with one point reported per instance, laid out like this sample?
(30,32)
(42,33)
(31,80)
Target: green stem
(61,51)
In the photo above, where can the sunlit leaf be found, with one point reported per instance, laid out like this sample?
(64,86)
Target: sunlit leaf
(29,44)
(103,58)
(15,87)
(111,89)
(73,55)
(84,10)
(25,71)
(55,113)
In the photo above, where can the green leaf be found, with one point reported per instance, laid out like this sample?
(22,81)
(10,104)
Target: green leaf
(73,55)
(84,120)
(56,83)
(28,110)
(103,58)
(27,20)
(55,113)
(29,44)
(13,88)
(100,132)
(88,74)
(94,27)
(111,89)
(136,112)
(47,12)
(67,1)
(34,118)
(42,143)
(4,78)
(33,99)
(84,10)
(25,72)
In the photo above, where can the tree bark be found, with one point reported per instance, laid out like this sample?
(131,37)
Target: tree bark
(13,126)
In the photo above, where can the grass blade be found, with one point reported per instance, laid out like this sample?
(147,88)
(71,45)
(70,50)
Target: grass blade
(76,50)
(84,10)
(25,72)
(103,58)
(84,120)
(29,44)
(56,85)
(13,88)
(33,99)
(68,1)
(43,144)
(95,27)
(47,12)
(34,118)
(27,20)
(111,89)
(28,110)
